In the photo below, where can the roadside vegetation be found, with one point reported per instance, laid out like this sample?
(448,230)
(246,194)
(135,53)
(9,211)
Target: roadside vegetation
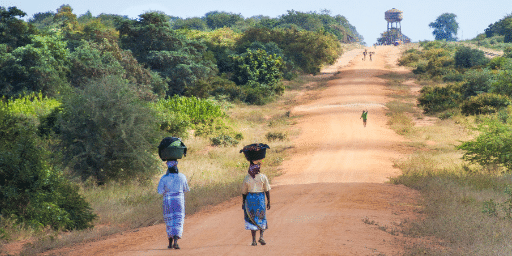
(86,100)
(461,160)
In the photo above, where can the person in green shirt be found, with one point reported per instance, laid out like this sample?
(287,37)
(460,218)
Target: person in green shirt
(364,116)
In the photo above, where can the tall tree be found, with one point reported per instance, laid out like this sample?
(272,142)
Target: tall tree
(445,27)
(14,31)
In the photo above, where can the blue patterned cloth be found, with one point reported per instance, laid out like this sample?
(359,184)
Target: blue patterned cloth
(174,213)
(173,186)
(255,212)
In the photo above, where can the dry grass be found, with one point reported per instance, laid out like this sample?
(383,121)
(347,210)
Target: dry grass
(454,192)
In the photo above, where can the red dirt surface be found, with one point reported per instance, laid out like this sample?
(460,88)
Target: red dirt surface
(332,198)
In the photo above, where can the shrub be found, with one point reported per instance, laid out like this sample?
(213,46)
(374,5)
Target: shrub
(476,82)
(492,146)
(107,133)
(272,136)
(503,84)
(466,57)
(436,99)
(410,57)
(485,103)
(224,140)
(31,191)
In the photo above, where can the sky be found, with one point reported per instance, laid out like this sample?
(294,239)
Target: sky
(367,16)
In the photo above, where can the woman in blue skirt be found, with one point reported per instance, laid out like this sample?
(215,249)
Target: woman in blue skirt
(254,189)
(172,186)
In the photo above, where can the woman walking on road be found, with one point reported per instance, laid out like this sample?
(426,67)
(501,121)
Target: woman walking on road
(254,189)
(172,186)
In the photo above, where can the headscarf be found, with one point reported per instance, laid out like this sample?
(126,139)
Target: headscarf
(254,169)
(172,167)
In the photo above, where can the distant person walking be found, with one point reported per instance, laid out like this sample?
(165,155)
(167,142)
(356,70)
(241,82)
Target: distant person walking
(364,116)
(371,53)
(172,186)
(254,189)
(364,54)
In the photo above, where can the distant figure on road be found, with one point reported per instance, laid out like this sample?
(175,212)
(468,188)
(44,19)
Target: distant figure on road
(371,53)
(364,54)
(364,116)
(172,186)
(254,189)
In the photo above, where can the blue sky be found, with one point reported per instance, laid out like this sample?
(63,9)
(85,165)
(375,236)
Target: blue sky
(366,15)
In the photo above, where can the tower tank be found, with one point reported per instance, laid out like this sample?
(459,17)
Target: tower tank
(393,15)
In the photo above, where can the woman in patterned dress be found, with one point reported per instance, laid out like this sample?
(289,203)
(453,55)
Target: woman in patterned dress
(254,189)
(172,186)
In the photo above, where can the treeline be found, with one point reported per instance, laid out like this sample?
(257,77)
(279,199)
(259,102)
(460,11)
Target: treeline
(87,99)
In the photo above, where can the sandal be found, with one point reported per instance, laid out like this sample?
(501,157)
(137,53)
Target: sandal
(262,242)
(254,243)
(176,246)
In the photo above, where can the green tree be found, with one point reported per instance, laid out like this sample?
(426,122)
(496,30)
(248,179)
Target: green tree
(42,65)
(107,133)
(466,57)
(14,31)
(31,190)
(153,42)
(492,146)
(190,23)
(217,19)
(445,27)
(260,73)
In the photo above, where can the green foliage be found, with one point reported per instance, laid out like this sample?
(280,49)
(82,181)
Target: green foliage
(258,67)
(224,140)
(476,82)
(33,105)
(197,110)
(194,23)
(217,19)
(179,114)
(410,58)
(272,136)
(181,61)
(502,27)
(312,21)
(485,103)
(445,27)
(307,50)
(493,209)
(31,191)
(503,83)
(41,65)
(466,57)
(492,146)
(435,99)
(15,32)
(500,63)
(106,133)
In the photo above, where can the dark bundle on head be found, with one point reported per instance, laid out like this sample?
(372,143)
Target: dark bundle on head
(166,142)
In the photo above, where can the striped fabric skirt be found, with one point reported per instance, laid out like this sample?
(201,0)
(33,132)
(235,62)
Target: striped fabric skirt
(174,213)
(255,212)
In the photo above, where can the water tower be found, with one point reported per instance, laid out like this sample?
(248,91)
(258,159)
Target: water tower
(394,17)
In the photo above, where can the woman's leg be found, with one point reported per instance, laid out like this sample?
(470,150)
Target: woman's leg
(253,233)
(176,246)
(170,243)
(262,242)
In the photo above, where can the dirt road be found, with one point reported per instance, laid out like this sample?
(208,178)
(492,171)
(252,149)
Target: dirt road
(332,199)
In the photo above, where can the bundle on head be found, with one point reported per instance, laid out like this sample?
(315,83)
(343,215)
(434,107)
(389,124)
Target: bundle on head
(255,151)
(171,148)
